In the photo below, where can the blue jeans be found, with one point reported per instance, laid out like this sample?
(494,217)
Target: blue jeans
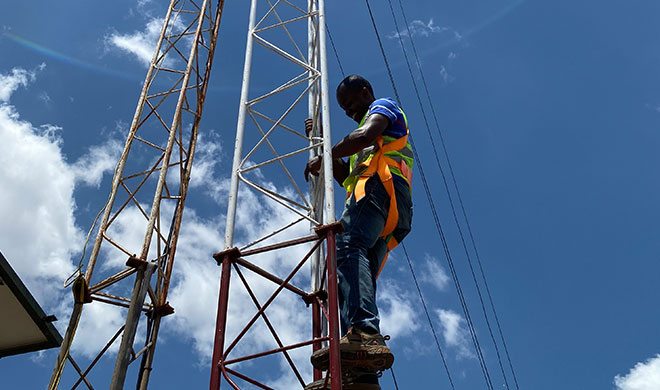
(360,251)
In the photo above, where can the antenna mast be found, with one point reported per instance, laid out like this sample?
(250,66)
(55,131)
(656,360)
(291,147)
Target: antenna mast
(272,143)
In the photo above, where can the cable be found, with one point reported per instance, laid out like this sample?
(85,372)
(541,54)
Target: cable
(78,271)
(332,42)
(428,317)
(451,202)
(459,290)
(382,50)
(460,198)
(419,291)
(482,361)
(396,385)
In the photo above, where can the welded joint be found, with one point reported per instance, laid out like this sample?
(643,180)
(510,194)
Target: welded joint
(229,254)
(162,311)
(323,230)
(137,263)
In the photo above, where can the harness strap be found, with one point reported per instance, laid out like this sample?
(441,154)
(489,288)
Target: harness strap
(380,164)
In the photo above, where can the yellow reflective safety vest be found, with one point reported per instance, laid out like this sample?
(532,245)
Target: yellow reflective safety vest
(386,157)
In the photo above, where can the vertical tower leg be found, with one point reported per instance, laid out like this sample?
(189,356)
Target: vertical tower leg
(143,276)
(316,333)
(221,322)
(333,313)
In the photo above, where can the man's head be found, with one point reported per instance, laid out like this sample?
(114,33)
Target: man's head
(355,95)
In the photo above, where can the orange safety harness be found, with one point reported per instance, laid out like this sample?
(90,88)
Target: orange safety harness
(379,163)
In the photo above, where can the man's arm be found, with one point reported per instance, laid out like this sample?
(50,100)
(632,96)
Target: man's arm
(340,169)
(361,137)
(355,141)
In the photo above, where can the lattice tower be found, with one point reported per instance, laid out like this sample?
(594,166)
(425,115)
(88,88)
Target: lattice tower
(277,150)
(150,180)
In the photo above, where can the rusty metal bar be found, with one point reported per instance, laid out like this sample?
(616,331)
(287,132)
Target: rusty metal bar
(273,351)
(221,322)
(272,298)
(79,371)
(98,357)
(247,379)
(267,275)
(269,325)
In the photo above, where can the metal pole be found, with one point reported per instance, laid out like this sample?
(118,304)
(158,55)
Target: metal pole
(315,184)
(142,279)
(240,129)
(316,333)
(221,323)
(146,370)
(66,345)
(325,115)
(333,313)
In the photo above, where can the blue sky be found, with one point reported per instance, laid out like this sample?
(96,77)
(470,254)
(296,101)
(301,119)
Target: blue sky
(550,112)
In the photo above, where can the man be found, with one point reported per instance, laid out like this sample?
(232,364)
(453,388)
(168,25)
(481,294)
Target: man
(377,216)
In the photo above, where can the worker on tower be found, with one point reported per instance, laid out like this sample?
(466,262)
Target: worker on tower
(377,216)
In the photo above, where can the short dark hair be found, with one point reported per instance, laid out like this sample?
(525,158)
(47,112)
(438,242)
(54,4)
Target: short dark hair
(356,83)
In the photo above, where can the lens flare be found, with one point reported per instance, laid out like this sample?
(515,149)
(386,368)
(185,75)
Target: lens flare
(35,47)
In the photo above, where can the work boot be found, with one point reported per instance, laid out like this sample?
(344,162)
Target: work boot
(352,379)
(358,349)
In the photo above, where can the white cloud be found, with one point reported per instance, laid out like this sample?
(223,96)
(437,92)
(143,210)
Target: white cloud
(454,332)
(418,27)
(140,44)
(99,160)
(38,231)
(434,274)
(644,376)
(397,311)
(98,323)
(425,29)
(444,73)
(208,153)
(18,77)
(44,97)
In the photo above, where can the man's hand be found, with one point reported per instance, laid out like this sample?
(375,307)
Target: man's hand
(313,166)
(309,125)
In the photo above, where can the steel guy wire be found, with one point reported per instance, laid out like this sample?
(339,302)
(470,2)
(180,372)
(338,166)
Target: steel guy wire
(445,245)
(458,192)
(334,48)
(382,50)
(428,317)
(451,202)
(396,385)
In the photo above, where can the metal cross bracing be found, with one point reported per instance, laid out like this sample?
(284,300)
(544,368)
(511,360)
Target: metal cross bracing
(148,193)
(291,84)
